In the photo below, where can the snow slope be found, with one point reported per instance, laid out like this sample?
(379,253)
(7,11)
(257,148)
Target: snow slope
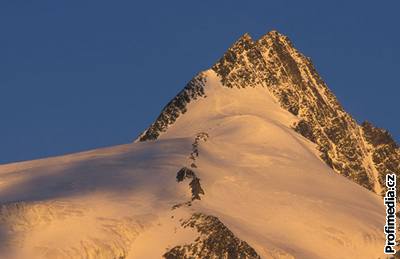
(261,179)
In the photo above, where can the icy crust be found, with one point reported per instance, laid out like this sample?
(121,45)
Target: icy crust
(177,106)
(87,205)
(24,220)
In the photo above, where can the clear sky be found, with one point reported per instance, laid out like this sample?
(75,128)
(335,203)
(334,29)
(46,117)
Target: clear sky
(77,75)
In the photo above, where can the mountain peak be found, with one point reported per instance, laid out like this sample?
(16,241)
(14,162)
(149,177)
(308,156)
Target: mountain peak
(246,37)
(243,43)
(274,37)
(275,34)
(246,42)
(235,141)
(272,62)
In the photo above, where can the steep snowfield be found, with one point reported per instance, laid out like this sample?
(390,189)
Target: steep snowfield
(260,178)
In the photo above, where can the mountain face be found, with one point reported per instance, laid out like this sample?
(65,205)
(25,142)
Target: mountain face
(240,164)
(363,153)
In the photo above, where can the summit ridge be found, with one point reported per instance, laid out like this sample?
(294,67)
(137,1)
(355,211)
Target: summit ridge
(274,63)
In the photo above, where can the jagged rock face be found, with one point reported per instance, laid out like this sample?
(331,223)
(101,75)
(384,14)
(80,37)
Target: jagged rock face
(177,106)
(301,91)
(273,62)
(384,151)
(215,241)
(242,65)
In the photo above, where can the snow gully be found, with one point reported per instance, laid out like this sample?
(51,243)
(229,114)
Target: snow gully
(390,203)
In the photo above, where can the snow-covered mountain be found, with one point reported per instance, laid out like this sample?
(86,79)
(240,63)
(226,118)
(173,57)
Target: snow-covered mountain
(363,153)
(247,161)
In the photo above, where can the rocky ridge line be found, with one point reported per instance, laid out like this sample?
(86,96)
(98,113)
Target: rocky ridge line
(177,106)
(274,63)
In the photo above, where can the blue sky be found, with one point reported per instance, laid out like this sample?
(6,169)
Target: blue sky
(77,75)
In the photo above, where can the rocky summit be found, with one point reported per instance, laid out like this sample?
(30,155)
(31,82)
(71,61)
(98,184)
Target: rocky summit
(362,153)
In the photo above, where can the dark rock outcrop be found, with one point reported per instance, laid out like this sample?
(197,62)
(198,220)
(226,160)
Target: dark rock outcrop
(215,240)
(195,186)
(177,106)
